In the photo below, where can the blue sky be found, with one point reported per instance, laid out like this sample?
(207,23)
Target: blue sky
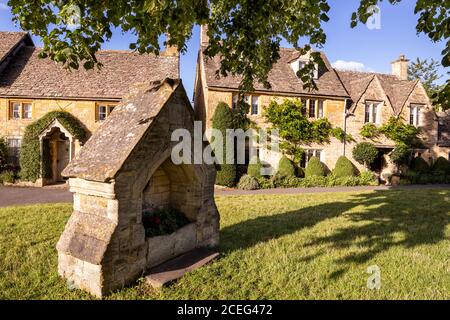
(364,48)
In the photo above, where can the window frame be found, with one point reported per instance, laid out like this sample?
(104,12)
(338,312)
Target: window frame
(414,114)
(21,112)
(14,151)
(372,110)
(109,107)
(252,106)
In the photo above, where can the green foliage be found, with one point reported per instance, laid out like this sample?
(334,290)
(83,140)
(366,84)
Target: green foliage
(370,131)
(254,168)
(3,154)
(8,177)
(414,177)
(368,178)
(341,135)
(162,222)
(294,127)
(420,165)
(401,133)
(365,153)
(344,168)
(427,72)
(441,165)
(248,182)
(400,155)
(30,157)
(285,167)
(314,168)
(223,120)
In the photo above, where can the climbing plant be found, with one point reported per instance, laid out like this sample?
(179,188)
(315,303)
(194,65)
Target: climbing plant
(400,132)
(30,155)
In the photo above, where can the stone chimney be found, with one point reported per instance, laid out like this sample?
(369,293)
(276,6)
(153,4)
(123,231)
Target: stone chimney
(204,39)
(400,67)
(170,51)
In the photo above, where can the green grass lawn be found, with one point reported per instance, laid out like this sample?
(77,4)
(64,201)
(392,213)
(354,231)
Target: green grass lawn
(315,246)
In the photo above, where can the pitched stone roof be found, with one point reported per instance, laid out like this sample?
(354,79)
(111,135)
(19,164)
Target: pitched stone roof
(27,75)
(281,78)
(395,89)
(444,121)
(8,41)
(123,129)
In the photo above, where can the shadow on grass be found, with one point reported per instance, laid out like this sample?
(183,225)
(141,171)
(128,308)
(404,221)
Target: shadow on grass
(374,223)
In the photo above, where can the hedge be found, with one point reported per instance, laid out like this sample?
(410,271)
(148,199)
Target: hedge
(420,165)
(30,155)
(441,165)
(314,168)
(344,168)
(286,167)
(223,120)
(3,154)
(254,168)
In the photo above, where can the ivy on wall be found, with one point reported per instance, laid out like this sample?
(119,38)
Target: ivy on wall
(30,154)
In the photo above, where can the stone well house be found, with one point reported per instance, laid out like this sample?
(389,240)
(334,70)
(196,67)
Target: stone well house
(348,99)
(31,87)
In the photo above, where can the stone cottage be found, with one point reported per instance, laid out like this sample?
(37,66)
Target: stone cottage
(124,170)
(348,99)
(31,87)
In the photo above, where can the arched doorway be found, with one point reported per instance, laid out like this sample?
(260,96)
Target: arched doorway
(56,152)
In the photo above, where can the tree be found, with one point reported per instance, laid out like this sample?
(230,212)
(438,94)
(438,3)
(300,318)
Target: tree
(223,120)
(365,153)
(427,72)
(246,33)
(294,127)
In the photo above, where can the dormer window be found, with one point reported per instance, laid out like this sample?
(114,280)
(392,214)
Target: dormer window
(300,64)
(414,115)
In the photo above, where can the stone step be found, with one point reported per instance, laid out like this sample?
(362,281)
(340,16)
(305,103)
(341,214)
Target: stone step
(176,268)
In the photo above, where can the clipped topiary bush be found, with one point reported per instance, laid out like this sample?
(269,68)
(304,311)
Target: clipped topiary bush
(344,168)
(223,120)
(314,168)
(420,165)
(248,182)
(3,154)
(286,168)
(365,153)
(441,165)
(254,168)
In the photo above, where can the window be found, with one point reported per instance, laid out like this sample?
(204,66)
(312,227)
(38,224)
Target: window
(312,108)
(320,109)
(308,155)
(103,111)
(372,111)
(305,105)
(16,110)
(27,111)
(440,130)
(255,105)
(13,151)
(235,100)
(414,115)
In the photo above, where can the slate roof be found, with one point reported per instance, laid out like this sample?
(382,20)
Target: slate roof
(8,41)
(123,129)
(395,89)
(281,78)
(26,75)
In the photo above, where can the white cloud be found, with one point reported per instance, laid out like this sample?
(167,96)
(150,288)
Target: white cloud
(350,66)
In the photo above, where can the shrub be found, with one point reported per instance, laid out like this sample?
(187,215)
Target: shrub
(30,154)
(314,168)
(420,165)
(400,154)
(365,153)
(248,182)
(223,120)
(370,131)
(441,165)
(7,177)
(3,154)
(286,167)
(344,168)
(299,172)
(368,178)
(254,168)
